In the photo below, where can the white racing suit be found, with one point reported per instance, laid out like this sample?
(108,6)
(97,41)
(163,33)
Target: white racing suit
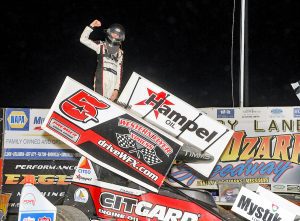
(109,67)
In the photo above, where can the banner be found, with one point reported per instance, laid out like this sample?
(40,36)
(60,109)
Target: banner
(24,138)
(255,207)
(181,120)
(264,150)
(51,178)
(30,151)
(108,135)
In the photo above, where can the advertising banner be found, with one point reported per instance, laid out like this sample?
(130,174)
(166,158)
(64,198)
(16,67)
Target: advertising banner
(24,138)
(176,117)
(30,151)
(255,207)
(51,178)
(110,136)
(265,150)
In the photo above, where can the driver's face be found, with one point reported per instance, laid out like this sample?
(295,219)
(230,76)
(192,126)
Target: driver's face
(115,35)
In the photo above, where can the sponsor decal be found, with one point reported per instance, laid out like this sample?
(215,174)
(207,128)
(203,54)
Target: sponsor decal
(44,219)
(279,187)
(29,200)
(84,171)
(144,132)
(142,208)
(64,130)
(17,119)
(250,113)
(161,96)
(83,178)
(81,195)
(129,160)
(158,102)
(84,166)
(257,211)
(274,207)
(264,206)
(276,111)
(225,113)
(295,188)
(82,106)
(142,141)
(37,122)
(37,216)
(296,112)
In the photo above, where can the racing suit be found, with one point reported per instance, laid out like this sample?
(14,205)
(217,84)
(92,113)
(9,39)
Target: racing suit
(109,67)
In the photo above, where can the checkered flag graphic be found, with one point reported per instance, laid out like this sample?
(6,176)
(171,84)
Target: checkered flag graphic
(125,141)
(296,87)
(150,156)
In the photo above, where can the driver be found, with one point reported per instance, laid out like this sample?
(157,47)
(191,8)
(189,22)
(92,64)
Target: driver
(108,73)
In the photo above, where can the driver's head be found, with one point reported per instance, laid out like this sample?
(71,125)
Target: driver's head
(115,35)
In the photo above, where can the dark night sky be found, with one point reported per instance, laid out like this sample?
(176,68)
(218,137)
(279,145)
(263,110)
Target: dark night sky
(183,46)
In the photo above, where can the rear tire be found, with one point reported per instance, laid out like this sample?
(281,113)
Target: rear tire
(70,213)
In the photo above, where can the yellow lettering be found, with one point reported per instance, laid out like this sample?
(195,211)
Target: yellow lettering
(12,178)
(296,151)
(264,149)
(249,148)
(32,177)
(231,152)
(46,179)
(62,180)
(283,143)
